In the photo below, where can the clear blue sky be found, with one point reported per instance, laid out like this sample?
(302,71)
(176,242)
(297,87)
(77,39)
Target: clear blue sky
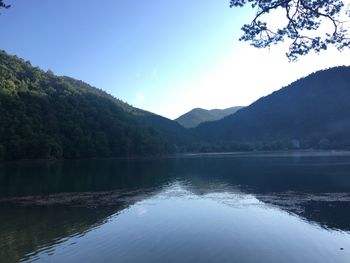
(161,55)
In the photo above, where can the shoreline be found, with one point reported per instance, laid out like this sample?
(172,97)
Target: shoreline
(275,153)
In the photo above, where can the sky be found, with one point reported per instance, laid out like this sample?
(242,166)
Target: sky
(163,56)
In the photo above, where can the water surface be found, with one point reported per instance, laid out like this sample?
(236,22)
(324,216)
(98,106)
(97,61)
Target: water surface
(205,208)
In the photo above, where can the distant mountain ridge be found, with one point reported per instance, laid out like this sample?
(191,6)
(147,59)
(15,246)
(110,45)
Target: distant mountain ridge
(197,116)
(312,112)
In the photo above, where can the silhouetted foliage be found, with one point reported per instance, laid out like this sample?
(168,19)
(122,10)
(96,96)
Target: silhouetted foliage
(302,17)
(45,116)
(303,24)
(3,5)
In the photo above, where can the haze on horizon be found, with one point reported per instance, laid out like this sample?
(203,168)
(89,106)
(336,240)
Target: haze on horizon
(166,57)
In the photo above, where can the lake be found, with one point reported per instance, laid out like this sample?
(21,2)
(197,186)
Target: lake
(239,207)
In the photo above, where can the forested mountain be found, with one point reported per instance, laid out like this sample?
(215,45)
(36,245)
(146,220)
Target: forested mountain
(46,116)
(180,137)
(170,130)
(311,112)
(196,116)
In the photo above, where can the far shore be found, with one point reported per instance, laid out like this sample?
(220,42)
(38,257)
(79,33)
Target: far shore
(254,153)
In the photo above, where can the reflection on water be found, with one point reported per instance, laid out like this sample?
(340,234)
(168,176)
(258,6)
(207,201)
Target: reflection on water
(239,208)
(26,229)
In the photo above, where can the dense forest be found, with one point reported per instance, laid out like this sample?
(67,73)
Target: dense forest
(313,112)
(46,116)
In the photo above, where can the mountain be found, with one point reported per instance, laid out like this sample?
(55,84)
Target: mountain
(311,112)
(179,136)
(196,116)
(46,116)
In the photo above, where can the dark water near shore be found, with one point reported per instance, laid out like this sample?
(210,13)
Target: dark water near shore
(276,207)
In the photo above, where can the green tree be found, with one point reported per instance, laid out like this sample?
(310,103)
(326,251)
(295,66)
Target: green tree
(303,25)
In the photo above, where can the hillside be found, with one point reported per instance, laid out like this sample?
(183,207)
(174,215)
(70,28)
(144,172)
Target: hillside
(46,116)
(196,116)
(311,112)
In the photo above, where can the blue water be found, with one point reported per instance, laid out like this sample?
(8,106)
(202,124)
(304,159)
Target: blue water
(189,209)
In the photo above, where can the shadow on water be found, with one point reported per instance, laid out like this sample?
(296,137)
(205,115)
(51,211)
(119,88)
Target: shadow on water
(27,229)
(315,188)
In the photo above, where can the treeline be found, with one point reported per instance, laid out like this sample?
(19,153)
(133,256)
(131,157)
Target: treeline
(45,116)
(238,146)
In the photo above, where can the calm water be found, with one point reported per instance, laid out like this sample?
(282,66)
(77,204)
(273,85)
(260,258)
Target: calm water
(209,208)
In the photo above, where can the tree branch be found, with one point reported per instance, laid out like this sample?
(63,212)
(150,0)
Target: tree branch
(301,15)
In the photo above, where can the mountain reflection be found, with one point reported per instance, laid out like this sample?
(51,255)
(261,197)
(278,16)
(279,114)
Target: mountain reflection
(24,230)
(313,188)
